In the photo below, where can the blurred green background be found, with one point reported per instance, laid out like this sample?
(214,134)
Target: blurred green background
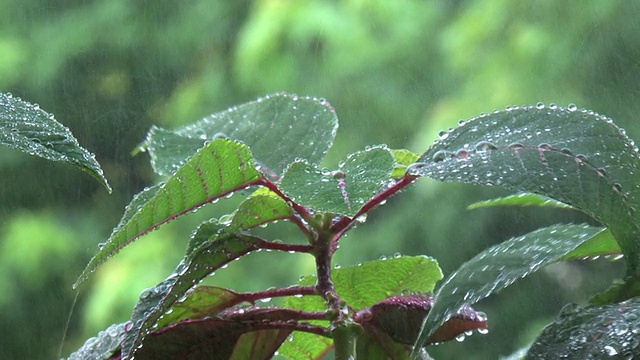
(397,72)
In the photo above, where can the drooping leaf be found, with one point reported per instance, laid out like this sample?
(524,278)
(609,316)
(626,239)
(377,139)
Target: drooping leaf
(219,168)
(400,317)
(212,339)
(575,156)
(278,128)
(345,191)
(362,286)
(26,127)
(500,266)
(592,332)
(202,261)
(522,199)
(103,346)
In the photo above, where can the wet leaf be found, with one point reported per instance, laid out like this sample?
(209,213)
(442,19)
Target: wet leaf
(103,346)
(278,128)
(522,199)
(219,168)
(500,266)
(26,127)
(362,286)
(201,302)
(592,332)
(574,156)
(202,261)
(343,191)
(404,158)
(212,339)
(400,317)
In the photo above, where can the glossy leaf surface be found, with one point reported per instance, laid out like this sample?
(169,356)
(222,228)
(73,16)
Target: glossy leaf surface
(501,265)
(205,259)
(522,199)
(219,168)
(574,156)
(26,127)
(362,286)
(592,332)
(278,128)
(344,191)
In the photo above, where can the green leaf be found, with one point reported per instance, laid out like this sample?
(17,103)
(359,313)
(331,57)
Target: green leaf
(591,332)
(522,199)
(575,156)
(404,158)
(603,244)
(263,206)
(362,286)
(26,127)
(204,260)
(360,177)
(103,346)
(201,302)
(500,266)
(278,128)
(219,168)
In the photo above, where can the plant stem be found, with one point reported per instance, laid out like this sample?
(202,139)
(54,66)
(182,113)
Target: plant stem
(345,337)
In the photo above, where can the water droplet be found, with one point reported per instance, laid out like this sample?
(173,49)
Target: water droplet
(339,175)
(443,135)
(540,105)
(515,146)
(485,146)
(572,107)
(441,155)
(483,331)
(462,154)
(601,172)
(545,147)
(460,338)
(617,187)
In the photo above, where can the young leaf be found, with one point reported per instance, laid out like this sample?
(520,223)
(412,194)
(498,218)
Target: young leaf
(278,128)
(102,346)
(500,266)
(219,168)
(591,332)
(575,156)
(26,127)
(344,191)
(362,286)
(205,259)
(201,302)
(212,339)
(522,199)
(404,158)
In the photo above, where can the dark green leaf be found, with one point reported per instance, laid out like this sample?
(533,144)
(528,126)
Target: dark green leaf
(592,332)
(362,286)
(219,168)
(501,265)
(204,260)
(102,346)
(522,199)
(575,156)
(278,128)
(26,127)
(344,191)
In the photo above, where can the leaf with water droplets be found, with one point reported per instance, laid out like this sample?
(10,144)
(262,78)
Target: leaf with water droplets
(278,128)
(344,191)
(205,258)
(26,127)
(362,286)
(500,266)
(103,346)
(203,301)
(212,339)
(522,199)
(404,158)
(591,332)
(574,156)
(399,319)
(219,168)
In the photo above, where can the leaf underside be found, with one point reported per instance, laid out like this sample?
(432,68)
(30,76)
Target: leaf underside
(501,265)
(26,127)
(522,199)
(307,125)
(575,156)
(102,346)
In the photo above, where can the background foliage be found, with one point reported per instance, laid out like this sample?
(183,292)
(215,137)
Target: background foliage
(396,72)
